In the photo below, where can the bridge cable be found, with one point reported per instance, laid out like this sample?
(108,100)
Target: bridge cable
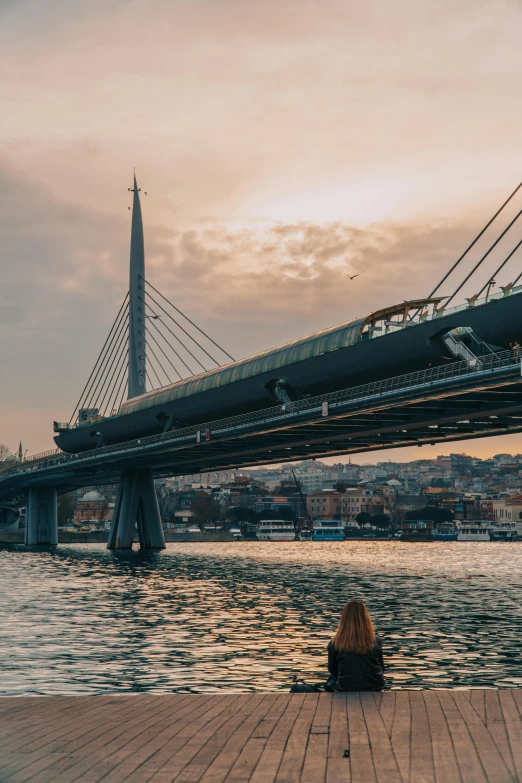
(113,398)
(167,327)
(152,387)
(188,335)
(152,367)
(115,373)
(78,404)
(457,262)
(515,281)
(125,374)
(169,345)
(194,325)
(495,243)
(160,364)
(149,334)
(108,353)
(117,364)
(117,345)
(109,349)
(502,265)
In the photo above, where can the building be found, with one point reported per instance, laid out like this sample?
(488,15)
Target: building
(93,510)
(363,499)
(324,504)
(509,510)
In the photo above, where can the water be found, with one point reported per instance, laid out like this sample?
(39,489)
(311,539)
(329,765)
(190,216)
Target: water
(247,616)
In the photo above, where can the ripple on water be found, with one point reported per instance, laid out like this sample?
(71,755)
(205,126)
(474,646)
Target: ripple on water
(247,616)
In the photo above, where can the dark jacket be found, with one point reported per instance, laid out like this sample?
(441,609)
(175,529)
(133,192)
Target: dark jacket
(352,672)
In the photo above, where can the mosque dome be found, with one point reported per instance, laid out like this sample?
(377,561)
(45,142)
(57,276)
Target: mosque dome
(11,458)
(90,496)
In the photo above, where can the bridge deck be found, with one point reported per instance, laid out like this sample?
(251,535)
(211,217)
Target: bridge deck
(399,736)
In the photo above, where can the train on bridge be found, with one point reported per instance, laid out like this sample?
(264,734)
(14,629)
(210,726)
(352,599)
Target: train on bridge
(407,337)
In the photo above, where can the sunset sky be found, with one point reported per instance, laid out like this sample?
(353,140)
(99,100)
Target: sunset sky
(280,143)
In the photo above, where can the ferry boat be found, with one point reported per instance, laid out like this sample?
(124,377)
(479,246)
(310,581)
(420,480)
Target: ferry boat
(275,530)
(445,532)
(328,530)
(417,530)
(503,531)
(305,535)
(473,531)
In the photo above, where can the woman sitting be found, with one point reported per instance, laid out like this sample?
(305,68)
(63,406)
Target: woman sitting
(355,659)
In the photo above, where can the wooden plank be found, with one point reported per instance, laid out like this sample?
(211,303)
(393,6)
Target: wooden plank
(444,757)
(250,755)
(384,761)
(517,695)
(174,755)
(173,758)
(361,761)
(513,724)
(401,732)
(270,760)
(221,756)
(497,727)
(387,709)
(267,724)
(133,759)
(476,760)
(422,764)
(314,764)
(493,763)
(295,750)
(337,766)
(478,701)
(40,751)
(68,765)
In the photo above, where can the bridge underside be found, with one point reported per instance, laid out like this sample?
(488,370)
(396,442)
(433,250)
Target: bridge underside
(461,408)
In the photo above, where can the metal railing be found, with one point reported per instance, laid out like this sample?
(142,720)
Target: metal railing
(421,379)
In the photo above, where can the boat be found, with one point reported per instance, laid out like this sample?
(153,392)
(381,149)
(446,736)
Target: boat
(328,530)
(275,530)
(305,535)
(473,531)
(445,532)
(503,531)
(193,529)
(394,340)
(417,530)
(236,532)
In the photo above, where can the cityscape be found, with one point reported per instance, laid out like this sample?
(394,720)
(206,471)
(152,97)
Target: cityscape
(364,500)
(260,391)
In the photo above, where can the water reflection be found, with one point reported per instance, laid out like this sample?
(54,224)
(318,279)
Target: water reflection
(247,616)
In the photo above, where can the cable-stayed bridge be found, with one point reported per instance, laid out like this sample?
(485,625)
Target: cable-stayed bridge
(161,400)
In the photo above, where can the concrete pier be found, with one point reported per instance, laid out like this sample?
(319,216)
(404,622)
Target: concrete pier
(42,516)
(433,736)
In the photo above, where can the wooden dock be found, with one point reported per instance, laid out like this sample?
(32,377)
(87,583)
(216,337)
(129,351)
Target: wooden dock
(432,736)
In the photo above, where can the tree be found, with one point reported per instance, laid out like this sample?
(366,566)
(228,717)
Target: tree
(434,513)
(205,511)
(381,520)
(243,514)
(65,508)
(363,518)
(5,451)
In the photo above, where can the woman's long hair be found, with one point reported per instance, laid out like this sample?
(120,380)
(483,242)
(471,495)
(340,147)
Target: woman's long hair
(355,633)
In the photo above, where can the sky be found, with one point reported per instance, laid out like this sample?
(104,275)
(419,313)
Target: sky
(280,144)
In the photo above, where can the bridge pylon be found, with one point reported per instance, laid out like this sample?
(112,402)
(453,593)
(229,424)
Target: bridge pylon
(136,505)
(41,525)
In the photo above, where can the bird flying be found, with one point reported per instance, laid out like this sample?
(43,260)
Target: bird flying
(352,277)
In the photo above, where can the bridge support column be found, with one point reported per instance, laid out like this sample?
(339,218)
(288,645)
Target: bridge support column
(41,526)
(136,504)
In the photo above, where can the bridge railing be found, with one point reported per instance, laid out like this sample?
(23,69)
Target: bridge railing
(427,378)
